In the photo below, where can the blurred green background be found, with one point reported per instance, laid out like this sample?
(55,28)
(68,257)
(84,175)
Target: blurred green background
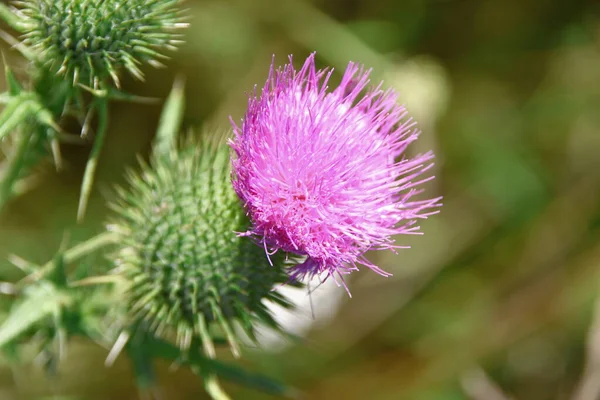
(497,299)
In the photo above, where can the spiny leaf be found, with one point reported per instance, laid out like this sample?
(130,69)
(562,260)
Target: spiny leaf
(170,120)
(21,107)
(73,254)
(15,164)
(17,110)
(44,116)
(41,302)
(142,362)
(14,87)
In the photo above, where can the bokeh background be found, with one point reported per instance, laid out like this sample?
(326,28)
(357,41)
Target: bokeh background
(496,301)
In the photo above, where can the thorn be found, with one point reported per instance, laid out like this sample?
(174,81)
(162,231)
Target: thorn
(94,91)
(17,45)
(56,154)
(26,266)
(87,122)
(207,344)
(117,348)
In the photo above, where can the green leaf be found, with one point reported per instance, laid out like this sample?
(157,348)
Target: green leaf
(14,87)
(41,302)
(15,165)
(142,362)
(170,120)
(44,116)
(92,163)
(71,255)
(15,112)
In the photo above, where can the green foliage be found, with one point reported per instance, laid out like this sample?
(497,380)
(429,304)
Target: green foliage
(181,269)
(38,303)
(495,301)
(76,47)
(50,310)
(24,111)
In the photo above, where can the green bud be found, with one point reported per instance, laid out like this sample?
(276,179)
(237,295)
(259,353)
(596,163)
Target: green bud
(91,40)
(187,269)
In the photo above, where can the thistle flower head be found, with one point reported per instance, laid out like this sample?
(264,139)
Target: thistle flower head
(186,265)
(91,40)
(324,173)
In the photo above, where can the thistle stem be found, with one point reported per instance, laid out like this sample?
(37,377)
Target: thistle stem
(90,168)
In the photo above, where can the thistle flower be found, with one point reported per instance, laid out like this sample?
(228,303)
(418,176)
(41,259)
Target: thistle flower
(90,40)
(324,173)
(185,265)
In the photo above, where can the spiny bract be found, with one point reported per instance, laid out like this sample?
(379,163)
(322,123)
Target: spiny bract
(181,253)
(90,40)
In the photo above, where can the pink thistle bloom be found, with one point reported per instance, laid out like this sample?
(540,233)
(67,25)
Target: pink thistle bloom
(323,173)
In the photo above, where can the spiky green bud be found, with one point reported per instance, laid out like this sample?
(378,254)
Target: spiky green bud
(187,267)
(91,40)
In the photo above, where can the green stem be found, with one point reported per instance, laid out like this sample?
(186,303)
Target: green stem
(90,168)
(73,254)
(14,167)
(142,363)
(211,384)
